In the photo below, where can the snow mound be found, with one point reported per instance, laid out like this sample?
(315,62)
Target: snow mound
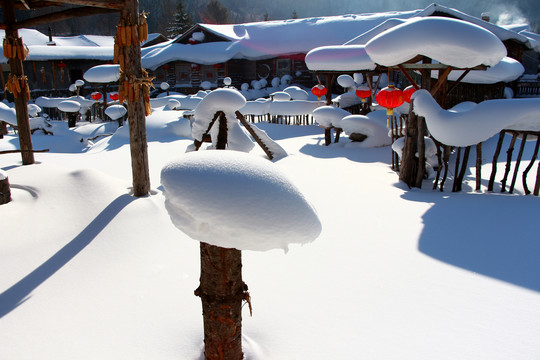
(8,114)
(449,41)
(69,106)
(102,74)
(235,200)
(377,134)
(339,58)
(115,112)
(328,116)
(478,123)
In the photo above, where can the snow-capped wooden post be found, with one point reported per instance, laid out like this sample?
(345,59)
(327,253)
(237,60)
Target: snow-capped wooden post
(134,87)
(217,197)
(17,74)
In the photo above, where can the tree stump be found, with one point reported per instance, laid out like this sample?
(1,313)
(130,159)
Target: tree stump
(5,192)
(221,291)
(72,119)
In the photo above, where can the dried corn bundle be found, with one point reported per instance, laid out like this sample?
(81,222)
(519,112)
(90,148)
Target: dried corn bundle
(18,85)
(143,27)
(14,48)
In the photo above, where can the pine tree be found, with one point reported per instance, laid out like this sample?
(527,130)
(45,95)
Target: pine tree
(216,13)
(294,15)
(181,23)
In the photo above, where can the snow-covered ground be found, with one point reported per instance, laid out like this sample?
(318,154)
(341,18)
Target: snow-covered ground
(90,272)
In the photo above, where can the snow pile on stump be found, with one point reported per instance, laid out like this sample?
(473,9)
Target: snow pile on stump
(235,200)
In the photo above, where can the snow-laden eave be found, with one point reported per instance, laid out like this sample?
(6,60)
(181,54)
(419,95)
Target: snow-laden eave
(44,53)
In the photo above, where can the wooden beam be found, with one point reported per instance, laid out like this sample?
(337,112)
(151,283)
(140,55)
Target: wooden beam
(456,83)
(107,4)
(408,76)
(62,15)
(442,79)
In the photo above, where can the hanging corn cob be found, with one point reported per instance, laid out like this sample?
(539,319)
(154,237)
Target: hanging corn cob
(18,85)
(143,27)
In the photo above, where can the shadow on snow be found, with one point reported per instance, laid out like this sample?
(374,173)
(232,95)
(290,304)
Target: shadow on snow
(20,292)
(491,234)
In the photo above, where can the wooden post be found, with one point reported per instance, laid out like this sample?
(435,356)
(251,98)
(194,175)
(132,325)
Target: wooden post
(528,168)
(494,161)
(409,162)
(5,192)
(478,166)
(136,110)
(16,68)
(221,289)
(518,162)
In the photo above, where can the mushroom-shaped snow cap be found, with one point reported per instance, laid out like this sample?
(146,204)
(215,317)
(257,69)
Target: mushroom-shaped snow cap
(69,106)
(236,200)
(115,112)
(103,74)
(450,41)
(33,110)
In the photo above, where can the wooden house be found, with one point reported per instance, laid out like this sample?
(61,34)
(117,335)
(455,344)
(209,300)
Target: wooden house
(265,50)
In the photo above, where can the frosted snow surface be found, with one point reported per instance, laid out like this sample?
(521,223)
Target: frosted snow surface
(103,74)
(449,41)
(478,123)
(236,200)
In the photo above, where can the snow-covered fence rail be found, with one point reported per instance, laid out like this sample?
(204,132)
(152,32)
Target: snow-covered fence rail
(461,128)
(293,112)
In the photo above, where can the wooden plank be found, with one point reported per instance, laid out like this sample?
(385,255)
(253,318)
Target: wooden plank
(62,15)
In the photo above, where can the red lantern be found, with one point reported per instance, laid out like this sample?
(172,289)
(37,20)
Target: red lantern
(166,67)
(319,91)
(61,65)
(363,92)
(407,93)
(96,95)
(195,67)
(114,96)
(390,97)
(218,66)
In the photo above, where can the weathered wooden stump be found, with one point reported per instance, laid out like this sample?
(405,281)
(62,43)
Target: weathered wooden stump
(5,192)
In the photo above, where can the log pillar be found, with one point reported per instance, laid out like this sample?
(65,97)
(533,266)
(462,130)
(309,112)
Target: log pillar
(21,108)
(221,291)
(136,109)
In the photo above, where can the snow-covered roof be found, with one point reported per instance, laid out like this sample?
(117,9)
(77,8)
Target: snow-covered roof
(452,42)
(83,47)
(257,40)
